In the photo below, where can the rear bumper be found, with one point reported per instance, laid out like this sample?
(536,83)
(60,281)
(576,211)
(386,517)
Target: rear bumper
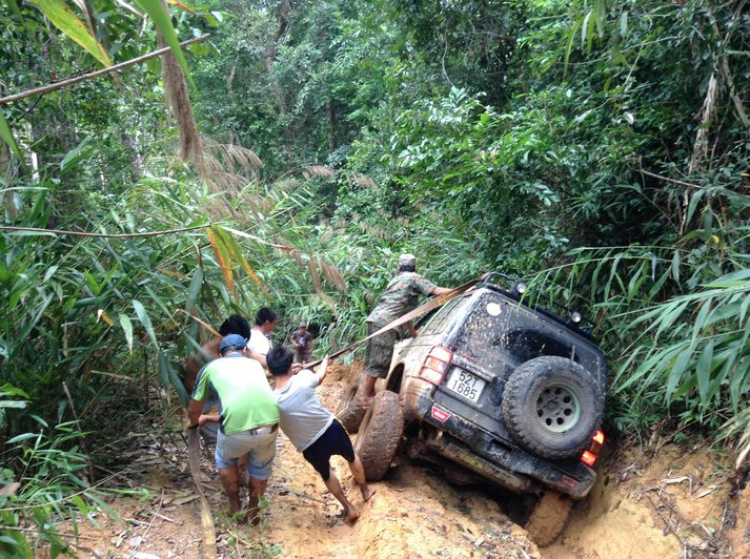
(498,460)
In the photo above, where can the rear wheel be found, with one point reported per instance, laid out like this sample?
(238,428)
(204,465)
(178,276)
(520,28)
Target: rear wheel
(380,435)
(548,518)
(552,406)
(351,410)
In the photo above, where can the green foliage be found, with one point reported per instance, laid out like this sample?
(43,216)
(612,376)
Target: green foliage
(51,484)
(599,146)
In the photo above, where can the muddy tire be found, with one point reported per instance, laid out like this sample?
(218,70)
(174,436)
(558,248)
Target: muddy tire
(380,435)
(351,411)
(548,518)
(552,406)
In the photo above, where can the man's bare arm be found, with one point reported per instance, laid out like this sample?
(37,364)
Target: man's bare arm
(322,370)
(440,291)
(258,357)
(194,413)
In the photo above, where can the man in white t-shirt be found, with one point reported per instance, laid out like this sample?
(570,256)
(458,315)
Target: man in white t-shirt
(311,428)
(260,342)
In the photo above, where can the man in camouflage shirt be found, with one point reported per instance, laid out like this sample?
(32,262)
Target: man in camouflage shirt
(400,297)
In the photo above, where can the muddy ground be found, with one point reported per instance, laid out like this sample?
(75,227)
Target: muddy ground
(664,502)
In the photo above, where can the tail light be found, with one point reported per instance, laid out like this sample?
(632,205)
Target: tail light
(589,456)
(436,365)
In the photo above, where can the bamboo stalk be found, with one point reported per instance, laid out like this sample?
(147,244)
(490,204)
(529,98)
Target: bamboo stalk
(103,235)
(64,83)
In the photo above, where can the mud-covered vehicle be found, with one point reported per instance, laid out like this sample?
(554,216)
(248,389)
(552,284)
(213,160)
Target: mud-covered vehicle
(494,388)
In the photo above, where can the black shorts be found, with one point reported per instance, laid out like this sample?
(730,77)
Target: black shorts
(335,440)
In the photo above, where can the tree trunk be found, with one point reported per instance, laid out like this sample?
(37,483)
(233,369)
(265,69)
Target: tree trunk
(332,139)
(269,58)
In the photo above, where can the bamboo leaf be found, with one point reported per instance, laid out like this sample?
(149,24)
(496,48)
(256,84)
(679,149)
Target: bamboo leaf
(163,369)
(703,371)
(8,389)
(22,437)
(676,266)
(140,310)
(103,505)
(624,24)
(17,404)
(194,290)
(101,314)
(236,252)
(127,327)
(738,381)
(675,375)
(7,136)
(735,279)
(169,376)
(222,256)
(62,17)
(588,30)
(571,41)
(694,200)
(726,361)
(701,320)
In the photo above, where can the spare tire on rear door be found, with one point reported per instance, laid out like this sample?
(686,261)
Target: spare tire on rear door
(552,407)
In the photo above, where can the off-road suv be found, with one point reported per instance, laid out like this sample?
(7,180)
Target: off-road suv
(494,388)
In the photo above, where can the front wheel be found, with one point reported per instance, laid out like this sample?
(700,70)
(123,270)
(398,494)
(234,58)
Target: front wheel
(380,435)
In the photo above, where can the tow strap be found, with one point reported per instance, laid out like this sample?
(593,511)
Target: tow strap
(431,305)
(207,521)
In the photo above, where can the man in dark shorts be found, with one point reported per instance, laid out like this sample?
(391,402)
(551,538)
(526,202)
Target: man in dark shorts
(303,344)
(311,428)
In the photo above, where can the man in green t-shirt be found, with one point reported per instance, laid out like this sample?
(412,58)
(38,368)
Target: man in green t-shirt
(248,417)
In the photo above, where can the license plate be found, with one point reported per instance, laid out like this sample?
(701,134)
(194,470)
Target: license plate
(465,384)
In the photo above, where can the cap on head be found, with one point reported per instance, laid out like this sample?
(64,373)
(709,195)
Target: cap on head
(231,342)
(303,325)
(407,261)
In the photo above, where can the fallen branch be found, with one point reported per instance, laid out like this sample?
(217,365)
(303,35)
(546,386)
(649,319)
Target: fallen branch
(64,83)
(101,235)
(667,525)
(668,179)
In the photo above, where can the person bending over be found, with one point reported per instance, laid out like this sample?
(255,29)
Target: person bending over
(249,418)
(311,428)
(235,324)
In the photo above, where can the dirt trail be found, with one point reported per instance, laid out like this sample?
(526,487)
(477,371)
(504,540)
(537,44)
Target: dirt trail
(418,514)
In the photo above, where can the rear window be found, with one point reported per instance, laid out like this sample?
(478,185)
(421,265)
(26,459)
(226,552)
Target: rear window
(438,321)
(496,329)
